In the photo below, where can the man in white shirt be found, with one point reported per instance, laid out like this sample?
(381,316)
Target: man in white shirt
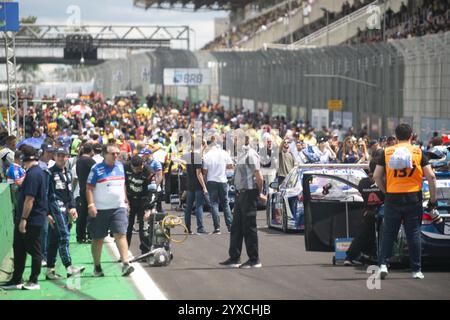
(215,163)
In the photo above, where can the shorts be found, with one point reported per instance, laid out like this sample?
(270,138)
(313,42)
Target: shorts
(115,220)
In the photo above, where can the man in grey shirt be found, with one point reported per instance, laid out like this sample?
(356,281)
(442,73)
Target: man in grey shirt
(287,162)
(249,184)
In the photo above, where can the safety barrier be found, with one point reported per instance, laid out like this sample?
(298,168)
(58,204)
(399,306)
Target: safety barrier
(6,221)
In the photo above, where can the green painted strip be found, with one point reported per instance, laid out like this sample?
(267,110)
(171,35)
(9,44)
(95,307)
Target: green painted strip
(111,287)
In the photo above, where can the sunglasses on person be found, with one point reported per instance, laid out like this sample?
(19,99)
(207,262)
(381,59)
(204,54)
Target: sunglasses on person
(114,153)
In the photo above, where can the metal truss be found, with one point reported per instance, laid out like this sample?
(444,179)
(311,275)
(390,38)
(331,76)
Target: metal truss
(11,81)
(101,36)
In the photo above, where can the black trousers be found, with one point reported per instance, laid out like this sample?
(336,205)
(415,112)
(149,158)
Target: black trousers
(136,210)
(82,211)
(365,241)
(28,242)
(244,227)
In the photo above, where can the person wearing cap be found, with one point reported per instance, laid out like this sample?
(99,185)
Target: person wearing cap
(47,158)
(155,169)
(32,208)
(45,162)
(391,141)
(375,149)
(7,155)
(61,211)
(326,154)
(382,141)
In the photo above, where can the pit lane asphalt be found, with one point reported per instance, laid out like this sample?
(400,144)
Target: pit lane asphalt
(288,272)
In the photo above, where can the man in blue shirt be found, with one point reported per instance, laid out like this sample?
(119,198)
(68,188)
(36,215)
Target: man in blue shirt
(155,169)
(108,208)
(30,216)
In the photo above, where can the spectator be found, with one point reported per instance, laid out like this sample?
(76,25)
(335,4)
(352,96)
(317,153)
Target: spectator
(83,167)
(7,156)
(107,206)
(286,161)
(196,189)
(348,153)
(326,154)
(215,164)
(269,162)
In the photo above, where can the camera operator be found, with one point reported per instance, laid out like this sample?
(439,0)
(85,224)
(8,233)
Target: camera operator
(137,179)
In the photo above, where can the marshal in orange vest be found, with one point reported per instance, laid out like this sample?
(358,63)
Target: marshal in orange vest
(406,180)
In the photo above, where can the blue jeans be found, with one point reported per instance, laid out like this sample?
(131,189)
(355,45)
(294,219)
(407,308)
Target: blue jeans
(219,192)
(412,219)
(58,240)
(44,240)
(199,198)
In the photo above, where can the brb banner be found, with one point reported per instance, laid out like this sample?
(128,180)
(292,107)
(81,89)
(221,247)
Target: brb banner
(187,77)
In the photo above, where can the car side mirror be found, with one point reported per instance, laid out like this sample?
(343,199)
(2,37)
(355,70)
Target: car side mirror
(274,185)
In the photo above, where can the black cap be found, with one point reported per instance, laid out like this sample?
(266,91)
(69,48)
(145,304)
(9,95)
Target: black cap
(382,139)
(62,150)
(372,143)
(47,147)
(322,139)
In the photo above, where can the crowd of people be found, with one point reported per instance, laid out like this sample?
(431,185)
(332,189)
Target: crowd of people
(250,28)
(92,162)
(432,17)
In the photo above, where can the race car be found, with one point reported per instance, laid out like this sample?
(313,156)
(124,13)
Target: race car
(285,209)
(331,216)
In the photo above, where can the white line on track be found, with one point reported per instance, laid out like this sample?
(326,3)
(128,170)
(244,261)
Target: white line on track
(141,279)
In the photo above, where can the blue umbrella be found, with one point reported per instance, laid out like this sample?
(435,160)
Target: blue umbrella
(34,142)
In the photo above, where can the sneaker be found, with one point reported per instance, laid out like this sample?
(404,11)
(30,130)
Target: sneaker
(383,271)
(216,231)
(251,264)
(230,263)
(98,272)
(52,275)
(202,232)
(12,285)
(127,269)
(188,232)
(71,270)
(43,263)
(31,286)
(348,263)
(418,275)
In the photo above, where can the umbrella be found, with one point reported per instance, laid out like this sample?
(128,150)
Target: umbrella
(80,109)
(34,142)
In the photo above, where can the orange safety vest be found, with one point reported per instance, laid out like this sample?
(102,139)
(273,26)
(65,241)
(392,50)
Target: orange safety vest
(406,180)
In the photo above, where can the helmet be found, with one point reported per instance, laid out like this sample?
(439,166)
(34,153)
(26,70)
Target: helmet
(159,258)
(439,157)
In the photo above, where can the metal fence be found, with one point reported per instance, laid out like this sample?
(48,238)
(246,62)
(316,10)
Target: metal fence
(379,84)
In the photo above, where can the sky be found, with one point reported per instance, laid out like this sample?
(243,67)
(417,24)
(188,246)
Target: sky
(120,12)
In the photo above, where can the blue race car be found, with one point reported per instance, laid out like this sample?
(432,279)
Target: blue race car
(285,208)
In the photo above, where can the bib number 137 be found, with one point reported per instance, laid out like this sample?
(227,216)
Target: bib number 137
(404,172)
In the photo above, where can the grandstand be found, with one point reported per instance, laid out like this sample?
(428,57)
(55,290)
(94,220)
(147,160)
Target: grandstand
(196,4)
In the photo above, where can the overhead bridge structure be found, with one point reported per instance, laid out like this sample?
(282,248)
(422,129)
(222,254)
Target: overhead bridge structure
(92,44)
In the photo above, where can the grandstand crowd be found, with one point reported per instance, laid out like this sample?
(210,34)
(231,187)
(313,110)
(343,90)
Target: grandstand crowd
(432,17)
